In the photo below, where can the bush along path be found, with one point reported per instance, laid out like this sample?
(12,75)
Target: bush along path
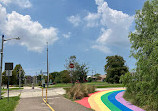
(108,100)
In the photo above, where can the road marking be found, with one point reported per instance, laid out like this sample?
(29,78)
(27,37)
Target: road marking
(48,105)
(96,102)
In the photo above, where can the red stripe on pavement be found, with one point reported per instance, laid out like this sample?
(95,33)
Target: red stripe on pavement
(84,101)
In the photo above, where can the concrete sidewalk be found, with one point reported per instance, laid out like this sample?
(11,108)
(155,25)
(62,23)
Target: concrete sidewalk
(37,92)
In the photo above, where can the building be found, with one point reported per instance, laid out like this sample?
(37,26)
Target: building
(98,78)
(102,78)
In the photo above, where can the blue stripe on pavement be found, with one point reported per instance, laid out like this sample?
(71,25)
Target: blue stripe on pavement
(113,100)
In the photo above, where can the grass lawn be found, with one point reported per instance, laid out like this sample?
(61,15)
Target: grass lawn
(110,85)
(5,106)
(96,84)
(12,89)
(60,85)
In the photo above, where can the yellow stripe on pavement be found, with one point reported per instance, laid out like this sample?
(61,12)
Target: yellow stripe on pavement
(48,105)
(96,102)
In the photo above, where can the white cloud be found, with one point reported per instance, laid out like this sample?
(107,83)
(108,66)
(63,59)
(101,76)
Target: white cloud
(102,48)
(32,34)
(92,20)
(21,3)
(67,35)
(104,37)
(99,2)
(3,14)
(113,18)
(75,20)
(115,26)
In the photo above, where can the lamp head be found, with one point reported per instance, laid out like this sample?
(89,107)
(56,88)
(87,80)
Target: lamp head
(18,38)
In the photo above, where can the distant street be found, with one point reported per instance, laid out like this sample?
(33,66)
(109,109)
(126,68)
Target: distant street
(28,92)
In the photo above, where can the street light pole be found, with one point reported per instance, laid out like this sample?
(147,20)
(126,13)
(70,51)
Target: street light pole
(1,66)
(3,40)
(36,78)
(47,67)
(47,74)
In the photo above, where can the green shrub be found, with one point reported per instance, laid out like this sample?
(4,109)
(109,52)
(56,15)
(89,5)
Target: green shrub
(140,92)
(78,91)
(90,79)
(57,79)
(143,88)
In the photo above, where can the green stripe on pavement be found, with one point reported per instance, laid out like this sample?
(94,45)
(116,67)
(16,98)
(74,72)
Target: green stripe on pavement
(105,100)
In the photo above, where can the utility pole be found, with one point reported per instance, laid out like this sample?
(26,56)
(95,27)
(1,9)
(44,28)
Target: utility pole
(36,78)
(47,74)
(1,66)
(20,71)
(3,40)
(47,67)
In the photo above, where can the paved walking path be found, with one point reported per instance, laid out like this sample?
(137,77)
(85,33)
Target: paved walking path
(59,103)
(110,99)
(32,104)
(31,100)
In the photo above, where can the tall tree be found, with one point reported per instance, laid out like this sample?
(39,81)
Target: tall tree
(115,67)
(65,77)
(79,72)
(14,79)
(145,50)
(72,60)
(53,75)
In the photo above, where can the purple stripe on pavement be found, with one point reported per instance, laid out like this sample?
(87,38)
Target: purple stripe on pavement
(119,98)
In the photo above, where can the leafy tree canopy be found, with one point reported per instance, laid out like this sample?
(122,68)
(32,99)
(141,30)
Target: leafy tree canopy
(65,77)
(115,68)
(79,72)
(14,79)
(144,83)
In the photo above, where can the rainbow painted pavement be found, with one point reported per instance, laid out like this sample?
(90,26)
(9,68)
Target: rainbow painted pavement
(108,100)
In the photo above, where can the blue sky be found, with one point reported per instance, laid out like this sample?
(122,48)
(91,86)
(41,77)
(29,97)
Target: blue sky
(89,29)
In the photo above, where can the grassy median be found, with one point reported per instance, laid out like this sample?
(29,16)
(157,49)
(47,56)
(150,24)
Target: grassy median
(12,89)
(9,106)
(96,84)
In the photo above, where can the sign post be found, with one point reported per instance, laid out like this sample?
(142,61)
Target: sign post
(8,69)
(71,66)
